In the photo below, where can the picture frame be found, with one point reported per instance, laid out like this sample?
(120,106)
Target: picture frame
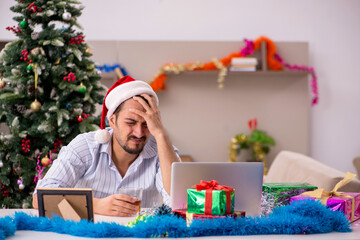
(68,203)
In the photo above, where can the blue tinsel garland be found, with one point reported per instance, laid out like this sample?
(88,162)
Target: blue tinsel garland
(301,217)
(111,68)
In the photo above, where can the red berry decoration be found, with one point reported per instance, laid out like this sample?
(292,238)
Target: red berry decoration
(70,77)
(33,8)
(25,54)
(79,39)
(85,116)
(3,191)
(25,144)
(14,29)
(57,145)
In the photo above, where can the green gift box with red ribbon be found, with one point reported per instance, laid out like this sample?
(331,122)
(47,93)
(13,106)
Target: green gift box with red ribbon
(210,198)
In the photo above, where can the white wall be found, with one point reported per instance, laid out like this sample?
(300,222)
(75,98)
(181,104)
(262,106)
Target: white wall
(332,28)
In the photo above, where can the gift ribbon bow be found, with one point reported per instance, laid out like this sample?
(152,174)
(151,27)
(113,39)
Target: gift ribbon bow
(209,187)
(324,195)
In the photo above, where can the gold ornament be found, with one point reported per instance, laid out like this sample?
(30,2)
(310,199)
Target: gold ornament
(88,51)
(257,147)
(35,106)
(261,156)
(45,161)
(90,67)
(2,84)
(241,138)
(234,147)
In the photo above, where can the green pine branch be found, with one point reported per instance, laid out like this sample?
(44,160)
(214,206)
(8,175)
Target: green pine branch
(53,57)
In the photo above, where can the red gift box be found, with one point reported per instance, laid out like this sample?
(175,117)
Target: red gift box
(190,216)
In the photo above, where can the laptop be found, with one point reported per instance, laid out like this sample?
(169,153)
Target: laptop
(245,177)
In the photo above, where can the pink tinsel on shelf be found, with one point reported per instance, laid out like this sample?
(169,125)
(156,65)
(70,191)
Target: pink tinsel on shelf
(314,87)
(248,49)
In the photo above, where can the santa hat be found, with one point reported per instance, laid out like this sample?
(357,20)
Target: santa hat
(122,90)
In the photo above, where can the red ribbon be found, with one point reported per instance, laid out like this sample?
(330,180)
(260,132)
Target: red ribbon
(209,187)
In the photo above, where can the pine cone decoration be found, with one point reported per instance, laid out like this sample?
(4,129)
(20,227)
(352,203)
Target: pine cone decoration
(163,210)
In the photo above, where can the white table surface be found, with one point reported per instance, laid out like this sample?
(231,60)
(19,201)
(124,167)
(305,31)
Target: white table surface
(124,220)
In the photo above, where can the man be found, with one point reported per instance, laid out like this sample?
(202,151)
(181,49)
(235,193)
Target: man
(135,152)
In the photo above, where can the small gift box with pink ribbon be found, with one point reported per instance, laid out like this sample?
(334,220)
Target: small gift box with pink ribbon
(210,198)
(345,202)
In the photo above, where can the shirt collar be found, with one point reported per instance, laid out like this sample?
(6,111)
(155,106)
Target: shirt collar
(150,148)
(148,152)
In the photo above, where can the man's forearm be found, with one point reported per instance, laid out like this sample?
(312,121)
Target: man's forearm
(167,156)
(35,201)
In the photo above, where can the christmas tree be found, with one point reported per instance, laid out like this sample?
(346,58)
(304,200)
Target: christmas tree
(49,89)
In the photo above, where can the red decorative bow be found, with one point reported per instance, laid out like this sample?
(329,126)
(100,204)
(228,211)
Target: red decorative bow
(209,187)
(213,185)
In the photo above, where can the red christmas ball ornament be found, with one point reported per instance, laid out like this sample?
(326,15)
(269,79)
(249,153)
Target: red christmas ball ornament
(80,119)
(45,161)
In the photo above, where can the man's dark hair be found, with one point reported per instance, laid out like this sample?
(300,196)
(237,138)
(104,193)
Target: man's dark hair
(118,109)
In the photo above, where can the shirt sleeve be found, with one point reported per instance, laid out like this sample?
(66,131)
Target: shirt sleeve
(67,168)
(159,180)
(160,187)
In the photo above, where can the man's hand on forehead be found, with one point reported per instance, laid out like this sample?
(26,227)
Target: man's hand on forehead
(143,98)
(151,113)
(146,98)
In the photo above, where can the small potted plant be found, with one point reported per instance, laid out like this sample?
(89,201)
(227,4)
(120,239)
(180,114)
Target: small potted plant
(258,142)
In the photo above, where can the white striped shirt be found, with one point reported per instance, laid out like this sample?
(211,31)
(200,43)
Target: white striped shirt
(85,163)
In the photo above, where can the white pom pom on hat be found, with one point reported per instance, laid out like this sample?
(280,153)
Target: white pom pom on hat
(122,90)
(102,136)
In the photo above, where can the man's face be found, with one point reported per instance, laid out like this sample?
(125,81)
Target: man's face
(130,130)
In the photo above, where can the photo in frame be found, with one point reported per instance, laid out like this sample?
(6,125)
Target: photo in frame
(68,203)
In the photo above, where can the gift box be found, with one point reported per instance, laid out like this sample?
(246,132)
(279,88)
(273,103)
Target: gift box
(282,192)
(210,198)
(345,202)
(189,217)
